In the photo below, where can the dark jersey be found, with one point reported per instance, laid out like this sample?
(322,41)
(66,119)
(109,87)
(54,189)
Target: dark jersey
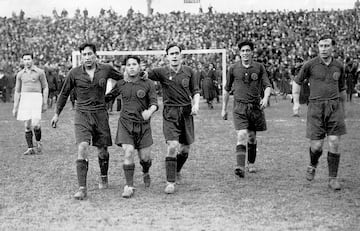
(136,97)
(249,83)
(52,80)
(90,95)
(326,81)
(178,87)
(4,82)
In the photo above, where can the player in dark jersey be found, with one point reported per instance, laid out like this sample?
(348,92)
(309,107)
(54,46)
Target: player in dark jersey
(134,132)
(181,96)
(249,79)
(91,118)
(325,115)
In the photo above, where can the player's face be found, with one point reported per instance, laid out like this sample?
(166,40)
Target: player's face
(132,67)
(28,61)
(325,48)
(174,56)
(245,53)
(88,57)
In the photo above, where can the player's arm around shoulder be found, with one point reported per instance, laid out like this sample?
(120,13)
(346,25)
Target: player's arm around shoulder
(153,102)
(113,73)
(115,91)
(155,74)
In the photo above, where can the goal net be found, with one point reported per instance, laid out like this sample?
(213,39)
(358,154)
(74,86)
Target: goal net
(157,58)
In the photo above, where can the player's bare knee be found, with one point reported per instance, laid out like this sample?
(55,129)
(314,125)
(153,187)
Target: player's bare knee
(83,145)
(184,148)
(82,150)
(28,126)
(316,145)
(334,142)
(252,137)
(242,137)
(129,151)
(103,153)
(129,157)
(173,147)
(145,154)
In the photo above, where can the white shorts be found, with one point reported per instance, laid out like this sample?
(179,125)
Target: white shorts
(30,106)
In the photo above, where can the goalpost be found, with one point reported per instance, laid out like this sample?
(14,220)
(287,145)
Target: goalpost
(222,52)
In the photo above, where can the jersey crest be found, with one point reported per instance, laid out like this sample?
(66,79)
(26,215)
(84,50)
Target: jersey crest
(254,76)
(102,83)
(185,82)
(336,76)
(140,94)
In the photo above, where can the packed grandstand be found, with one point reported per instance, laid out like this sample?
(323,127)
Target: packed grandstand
(280,37)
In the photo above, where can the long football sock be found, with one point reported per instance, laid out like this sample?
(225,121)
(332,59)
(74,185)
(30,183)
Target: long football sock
(181,159)
(251,153)
(129,174)
(81,169)
(314,157)
(333,163)
(240,155)
(29,139)
(170,165)
(104,164)
(37,132)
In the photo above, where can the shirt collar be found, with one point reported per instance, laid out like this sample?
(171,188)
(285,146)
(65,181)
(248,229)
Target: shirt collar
(32,68)
(251,64)
(173,71)
(321,61)
(97,67)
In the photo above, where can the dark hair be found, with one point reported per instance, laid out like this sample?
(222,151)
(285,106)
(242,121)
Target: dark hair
(212,65)
(91,45)
(170,45)
(327,36)
(246,43)
(27,53)
(131,57)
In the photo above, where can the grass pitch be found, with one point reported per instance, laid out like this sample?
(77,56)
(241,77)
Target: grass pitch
(36,191)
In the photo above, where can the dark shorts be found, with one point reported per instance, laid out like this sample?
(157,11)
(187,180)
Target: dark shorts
(249,116)
(325,118)
(178,124)
(137,134)
(93,127)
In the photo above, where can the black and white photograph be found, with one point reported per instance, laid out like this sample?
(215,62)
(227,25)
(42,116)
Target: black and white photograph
(179,115)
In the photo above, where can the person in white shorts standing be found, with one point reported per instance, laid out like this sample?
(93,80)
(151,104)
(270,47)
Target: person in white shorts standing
(30,100)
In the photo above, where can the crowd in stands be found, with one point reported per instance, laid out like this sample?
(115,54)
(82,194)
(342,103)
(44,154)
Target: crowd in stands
(281,37)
